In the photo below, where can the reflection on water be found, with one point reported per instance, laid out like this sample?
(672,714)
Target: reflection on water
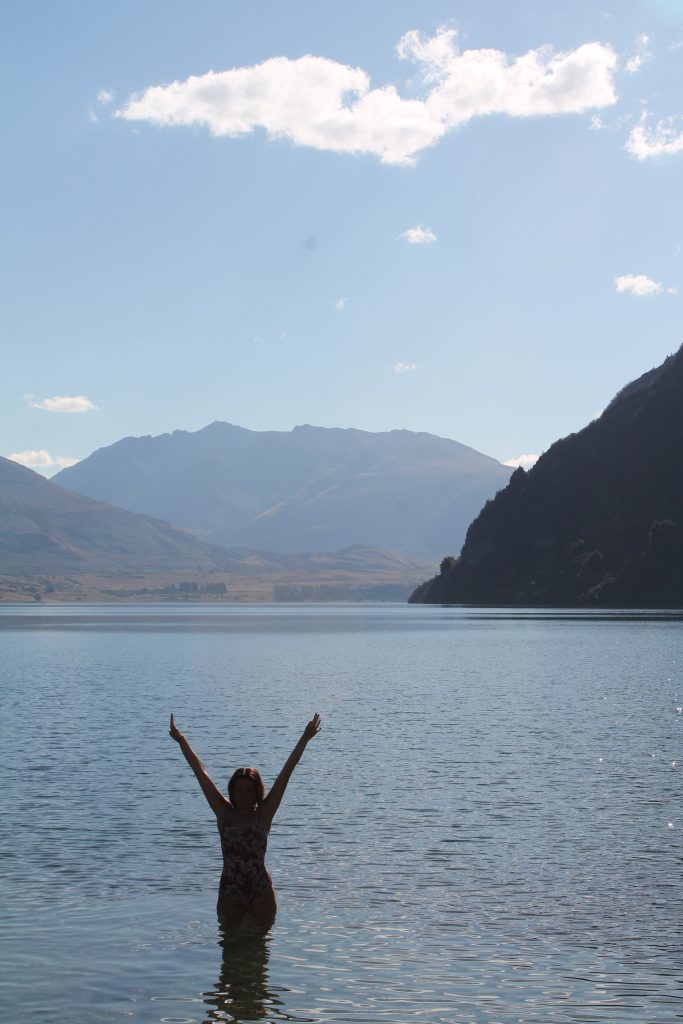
(487,830)
(294,618)
(241,992)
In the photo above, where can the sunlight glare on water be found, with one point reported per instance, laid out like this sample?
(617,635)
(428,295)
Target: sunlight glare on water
(487,828)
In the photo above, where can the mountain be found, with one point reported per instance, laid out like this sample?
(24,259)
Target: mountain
(55,542)
(309,489)
(597,521)
(48,529)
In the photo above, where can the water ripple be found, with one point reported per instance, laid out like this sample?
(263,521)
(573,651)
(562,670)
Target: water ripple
(486,829)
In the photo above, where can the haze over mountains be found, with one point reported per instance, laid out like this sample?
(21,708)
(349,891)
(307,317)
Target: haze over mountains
(597,521)
(309,489)
(57,543)
(44,527)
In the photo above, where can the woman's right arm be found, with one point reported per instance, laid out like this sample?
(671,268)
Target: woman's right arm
(217,801)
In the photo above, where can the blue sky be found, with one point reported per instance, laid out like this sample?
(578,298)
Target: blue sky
(462,218)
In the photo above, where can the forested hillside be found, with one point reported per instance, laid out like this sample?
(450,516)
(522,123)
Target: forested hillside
(597,521)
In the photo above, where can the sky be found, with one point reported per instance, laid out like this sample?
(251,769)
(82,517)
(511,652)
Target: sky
(460,217)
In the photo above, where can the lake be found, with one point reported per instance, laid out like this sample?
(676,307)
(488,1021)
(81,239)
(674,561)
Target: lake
(488,828)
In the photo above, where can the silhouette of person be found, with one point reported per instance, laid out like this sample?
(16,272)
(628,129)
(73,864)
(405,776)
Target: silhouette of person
(244,818)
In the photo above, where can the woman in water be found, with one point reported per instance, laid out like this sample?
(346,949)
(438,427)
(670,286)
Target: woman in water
(244,818)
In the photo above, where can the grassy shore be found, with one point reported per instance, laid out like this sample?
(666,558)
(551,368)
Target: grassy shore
(340,585)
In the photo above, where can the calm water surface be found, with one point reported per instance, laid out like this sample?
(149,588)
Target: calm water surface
(487,829)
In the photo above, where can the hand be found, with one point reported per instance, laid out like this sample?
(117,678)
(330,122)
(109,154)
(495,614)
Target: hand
(174,732)
(313,727)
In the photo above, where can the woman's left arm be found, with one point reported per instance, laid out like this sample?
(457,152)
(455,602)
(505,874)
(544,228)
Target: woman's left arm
(272,801)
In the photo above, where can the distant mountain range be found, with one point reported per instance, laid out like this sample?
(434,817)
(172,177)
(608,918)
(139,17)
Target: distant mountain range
(597,521)
(71,545)
(309,489)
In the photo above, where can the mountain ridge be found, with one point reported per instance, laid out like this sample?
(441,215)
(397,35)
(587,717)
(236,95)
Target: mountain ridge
(39,520)
(311,488)
(597,521)
(58,543)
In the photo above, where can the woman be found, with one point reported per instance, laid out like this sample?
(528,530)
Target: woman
(244,819)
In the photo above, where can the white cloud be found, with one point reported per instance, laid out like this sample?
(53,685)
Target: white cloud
(672,291)
(42,459)
(316,102)
(637,284)
(597,123)
(419,235)
(32,459)
(340,303)
(64,403)
(104,97)
(525,461)
(665,139)
(641,55)
(404,367)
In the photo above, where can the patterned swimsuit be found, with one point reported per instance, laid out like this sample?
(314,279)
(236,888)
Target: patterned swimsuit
(245,877)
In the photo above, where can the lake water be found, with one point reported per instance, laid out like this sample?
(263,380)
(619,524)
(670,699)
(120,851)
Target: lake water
(488,828)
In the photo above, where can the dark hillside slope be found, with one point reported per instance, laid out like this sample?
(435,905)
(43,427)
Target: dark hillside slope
(597,521)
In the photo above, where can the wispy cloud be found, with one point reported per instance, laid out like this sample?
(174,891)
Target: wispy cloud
(419,235)
(104,97)
(341,303)
(638,284)
(664,139)
(641,55)
(63,403)
(633,64)
(316,102)
(525,461)
(41,459)
(405,367)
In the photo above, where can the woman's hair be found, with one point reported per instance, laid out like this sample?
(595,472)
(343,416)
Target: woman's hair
(255,777)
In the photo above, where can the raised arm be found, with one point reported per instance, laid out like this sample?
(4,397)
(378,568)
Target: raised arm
(217,801)
(272,801)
